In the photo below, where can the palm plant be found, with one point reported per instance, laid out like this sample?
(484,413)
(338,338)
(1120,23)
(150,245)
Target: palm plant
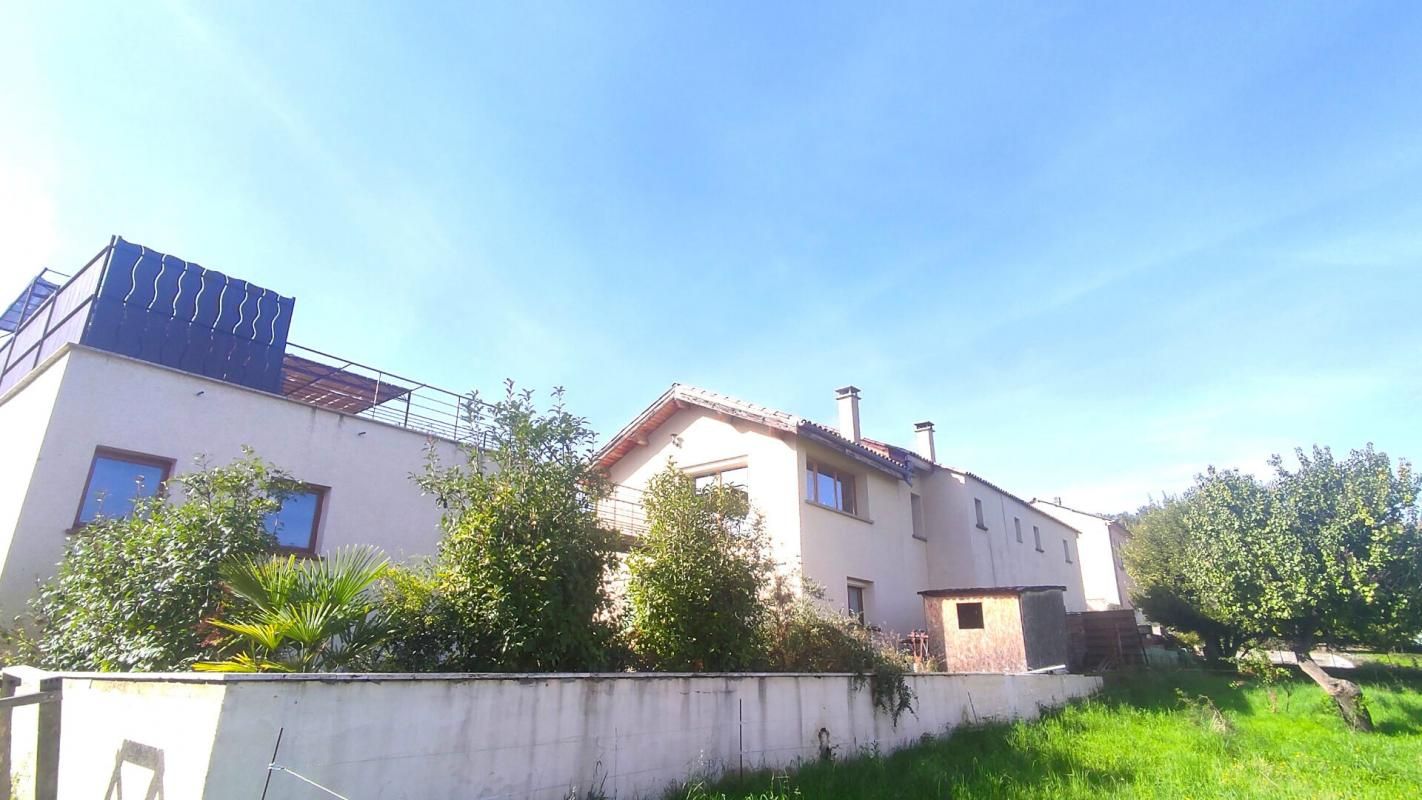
(302,615)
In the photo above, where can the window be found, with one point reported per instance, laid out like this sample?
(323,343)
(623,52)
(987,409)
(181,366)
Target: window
(978,510)
(1066,550)
(920,529)
(118,478)
(1037,538)
(1017,526)
(294,524)
(970,616)
(731,476)
(856,603)
(830,487)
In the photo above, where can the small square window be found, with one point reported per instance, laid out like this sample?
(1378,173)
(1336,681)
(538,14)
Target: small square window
(970,616)
(295,524)
(117,480)
(978,511)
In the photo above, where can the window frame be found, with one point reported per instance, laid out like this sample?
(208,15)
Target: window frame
(851,587)
(1017,526)
(131,457)
(847,485)
(718,471)
(978,512)
(917,520)
(1066,550)
(972,606)
(321,492)
(1037,538)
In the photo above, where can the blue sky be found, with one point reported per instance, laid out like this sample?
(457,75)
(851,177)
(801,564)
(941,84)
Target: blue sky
(1100,245)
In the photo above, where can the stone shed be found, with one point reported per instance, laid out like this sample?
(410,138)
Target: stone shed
(997,629)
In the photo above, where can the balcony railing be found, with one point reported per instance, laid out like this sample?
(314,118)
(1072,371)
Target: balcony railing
(622,511)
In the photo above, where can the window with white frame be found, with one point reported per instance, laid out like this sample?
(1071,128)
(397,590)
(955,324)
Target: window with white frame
(735,477)
(855,601)
(920,529)
(978,512)
(830,487)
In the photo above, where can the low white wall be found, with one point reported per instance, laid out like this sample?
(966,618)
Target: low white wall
(506,736)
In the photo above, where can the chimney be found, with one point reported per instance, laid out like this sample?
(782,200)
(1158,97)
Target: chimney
(923,441)
(848,400)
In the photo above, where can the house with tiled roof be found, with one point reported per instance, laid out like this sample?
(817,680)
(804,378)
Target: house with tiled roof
(1103,574)
(873,524)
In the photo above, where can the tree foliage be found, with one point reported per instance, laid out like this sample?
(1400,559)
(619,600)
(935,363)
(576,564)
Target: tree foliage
(697,578)
(132,593)
(1329,552)
(1157,557)
(518,582)
(302,615)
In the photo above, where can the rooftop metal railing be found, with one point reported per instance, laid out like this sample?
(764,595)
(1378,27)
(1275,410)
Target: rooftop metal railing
(386,397)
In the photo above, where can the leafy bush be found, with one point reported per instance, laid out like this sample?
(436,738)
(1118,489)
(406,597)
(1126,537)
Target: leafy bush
(806,637)
(518,584)
(697,578)
(132,593)
(299,615)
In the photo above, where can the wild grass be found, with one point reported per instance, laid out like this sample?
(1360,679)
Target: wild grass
(1184,734)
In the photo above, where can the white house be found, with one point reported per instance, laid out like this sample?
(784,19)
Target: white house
(119,378)
(1103,575)
(871,523)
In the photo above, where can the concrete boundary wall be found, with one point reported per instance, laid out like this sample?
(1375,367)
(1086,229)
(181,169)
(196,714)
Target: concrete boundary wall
(490,736)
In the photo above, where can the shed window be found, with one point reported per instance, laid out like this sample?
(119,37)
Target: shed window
(970,616)
(830,487)
(920,529)
(117,480)
(294,525)
(978,511)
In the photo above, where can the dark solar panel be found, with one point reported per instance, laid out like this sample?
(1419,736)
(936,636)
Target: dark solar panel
(29,300)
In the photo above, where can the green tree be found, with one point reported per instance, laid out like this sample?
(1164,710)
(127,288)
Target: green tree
(132,593)
(1327,553)
(697,578)
(518,583)
(1156,557)
(302,615)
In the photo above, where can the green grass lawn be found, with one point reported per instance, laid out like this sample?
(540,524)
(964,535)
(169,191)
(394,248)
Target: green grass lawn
(1147,735)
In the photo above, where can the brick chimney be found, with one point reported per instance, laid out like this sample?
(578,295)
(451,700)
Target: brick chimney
(848,400)
(923,441)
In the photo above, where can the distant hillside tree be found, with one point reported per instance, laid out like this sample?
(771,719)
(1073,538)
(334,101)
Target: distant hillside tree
(698,578)
(518,583)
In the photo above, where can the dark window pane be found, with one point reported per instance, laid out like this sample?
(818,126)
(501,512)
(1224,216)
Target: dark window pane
(295,524)
(114,486)
(846,494)
(970,616)
(856,602)
(810,483)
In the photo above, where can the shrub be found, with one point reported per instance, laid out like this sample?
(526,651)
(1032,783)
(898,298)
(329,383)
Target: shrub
(132,593)
(518,584)
(299,615)
(697,578)
(805,636)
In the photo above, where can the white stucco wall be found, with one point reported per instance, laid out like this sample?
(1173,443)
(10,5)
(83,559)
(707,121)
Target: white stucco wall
(699,442)
(875,547)
(102,399)
(961,555)
(543,737)
(1102,574)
